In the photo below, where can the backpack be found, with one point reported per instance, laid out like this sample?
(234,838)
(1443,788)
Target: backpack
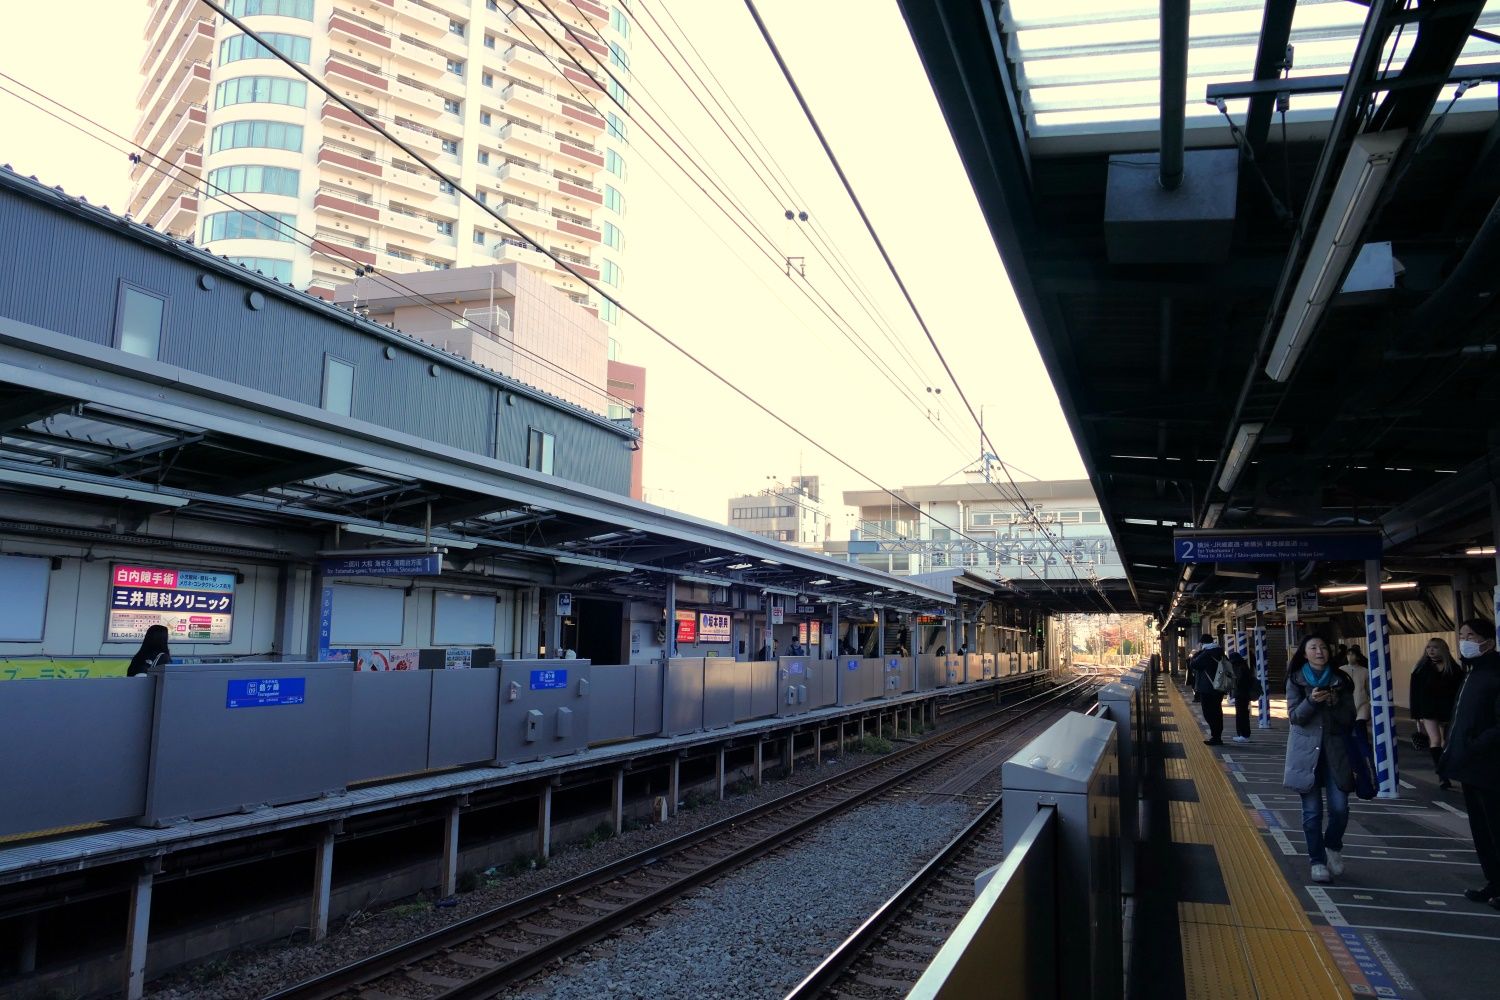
(1224,677)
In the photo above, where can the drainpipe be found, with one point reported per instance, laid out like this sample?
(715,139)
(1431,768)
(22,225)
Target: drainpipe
(1174,55)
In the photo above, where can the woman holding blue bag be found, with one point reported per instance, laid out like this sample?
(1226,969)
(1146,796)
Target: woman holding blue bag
(1320,708)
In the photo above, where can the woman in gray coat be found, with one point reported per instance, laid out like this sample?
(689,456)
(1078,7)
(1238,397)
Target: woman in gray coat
(1320,707)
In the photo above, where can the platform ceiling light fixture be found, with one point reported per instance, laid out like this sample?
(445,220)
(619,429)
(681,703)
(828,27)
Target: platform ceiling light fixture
(1356,588)
(1210,518)
(1239,455)
(592,563)
(1480,550)
(1354,197)
(739,565)
(67,484)
(408,535)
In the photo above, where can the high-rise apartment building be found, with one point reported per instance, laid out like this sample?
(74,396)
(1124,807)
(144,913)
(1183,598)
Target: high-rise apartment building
(300,189)
(791,513)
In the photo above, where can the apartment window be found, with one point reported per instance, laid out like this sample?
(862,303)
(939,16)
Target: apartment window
(613,237)
(609,312)
(539,450)
(253,179)
(271,267)
(616,125)
(484,157)
(618,92)
(338,385)
(484,197)
(489,41)
(488,79)
(614,345)
(300,9)
(456,66)
(1091,516)
(492,4)
(450,146)
(444,187)
(485,118)
(439,265)
(479,237)
(256,135)
(261,90)
(138,321)
(294,47)
(451,106)
(614,200)
(618,57)
(941,535)
(249,226)
(456,28)
(980,520)
(609,273)
(614,163)
(618,21)
(445,227)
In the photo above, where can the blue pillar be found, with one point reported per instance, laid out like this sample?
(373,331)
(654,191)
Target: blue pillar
(1382,693)
(1262,673)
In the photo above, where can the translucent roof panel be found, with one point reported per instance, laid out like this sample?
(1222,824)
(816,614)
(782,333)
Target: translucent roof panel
(1094,65)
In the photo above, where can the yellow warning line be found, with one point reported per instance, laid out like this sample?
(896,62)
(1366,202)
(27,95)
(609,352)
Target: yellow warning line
(1261,945)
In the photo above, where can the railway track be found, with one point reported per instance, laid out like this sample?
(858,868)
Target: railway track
(484,955)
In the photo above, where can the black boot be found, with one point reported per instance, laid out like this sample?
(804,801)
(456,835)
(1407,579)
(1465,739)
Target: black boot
(1437,757)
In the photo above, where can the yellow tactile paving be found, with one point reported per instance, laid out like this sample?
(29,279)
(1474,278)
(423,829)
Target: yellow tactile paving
(15,838)
(1176,768)
(1260,945)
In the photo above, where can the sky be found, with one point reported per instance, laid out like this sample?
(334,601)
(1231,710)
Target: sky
(723,296)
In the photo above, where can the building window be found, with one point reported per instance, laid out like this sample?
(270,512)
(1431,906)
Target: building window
(539,448)
(609,273)
(614,163)
(613,237)
(980,520)
(253,179)
(489,41)
(456,67)
(271,267)
(294,47)
(261,90)
(445,227)
(249,226)
(451,106)
(488,79)
(257,135)
(479,237)
(484,197)
(618,57)
(614,345)
(618,411)
(450,146)
(614,200)
(616,126)
(444,187)
(617,92)
(1091,516)
(138,321)
(484,156)
(485,118)
(456,28)
(300,9)
(610,313)
(618,22)
(338,385)
(438,265)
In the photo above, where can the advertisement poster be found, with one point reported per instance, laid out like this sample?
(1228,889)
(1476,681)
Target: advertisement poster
(814,633)
(714,628)
(1265,597)
(386,659)
(458,659)
(687,627)
(778,616)
(193,605)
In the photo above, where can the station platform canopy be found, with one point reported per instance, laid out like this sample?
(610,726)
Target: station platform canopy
(1258,244)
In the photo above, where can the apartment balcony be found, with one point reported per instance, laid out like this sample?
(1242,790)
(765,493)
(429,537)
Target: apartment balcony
(347,205)
(520,58)
(422,63)
(418,136)
(580,154)
(515,175)
(570,228)
(352,29)
(417,181)
(335,116)
(520,215)
(343,254)
(582,117)
(585,81)
(429,23)
(507,252)
(577,194)
(341,71)
(160,181)
(521,135)
(185,129)
(593,10)
(365,165)
(181,216)
(520,96)
(191,41)
(185,83)
(566,280)
(416,231)
(406,91)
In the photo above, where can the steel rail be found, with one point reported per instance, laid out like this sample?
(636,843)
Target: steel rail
(349,979)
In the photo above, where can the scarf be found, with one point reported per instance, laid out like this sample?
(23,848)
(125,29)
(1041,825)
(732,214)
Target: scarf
(1319,680)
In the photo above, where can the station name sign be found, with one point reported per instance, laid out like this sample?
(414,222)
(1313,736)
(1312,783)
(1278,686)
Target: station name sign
(430,564)
(1269,547)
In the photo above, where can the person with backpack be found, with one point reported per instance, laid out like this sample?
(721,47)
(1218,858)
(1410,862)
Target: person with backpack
(1247,689)
(1320,710)
(1208,668)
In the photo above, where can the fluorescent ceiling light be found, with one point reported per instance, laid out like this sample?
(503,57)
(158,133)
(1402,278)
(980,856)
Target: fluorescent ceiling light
(1211,516)
(408,535)
(593,563)
(712,581)
(817,583)
(739,565)
(1354,197)
(1482,550)
(1355,588)
(69,485)
(1239,455)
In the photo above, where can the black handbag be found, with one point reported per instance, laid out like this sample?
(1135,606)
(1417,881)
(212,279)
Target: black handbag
(1419,740)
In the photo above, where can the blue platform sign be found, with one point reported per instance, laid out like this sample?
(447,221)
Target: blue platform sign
(796,667)
(1249,547)
(853,665)
(266,691)
(430,564)
(548,680)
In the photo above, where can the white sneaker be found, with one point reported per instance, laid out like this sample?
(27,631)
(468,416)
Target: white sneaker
(1335,862)
(1241,739)
(1320,873)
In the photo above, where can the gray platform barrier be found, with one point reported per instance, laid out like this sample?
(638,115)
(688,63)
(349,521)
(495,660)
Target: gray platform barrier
(973,668)
(951,672)
(544,708)
(79,751)
(613,713)
(648,698)
(929,672)
(236,736)
(1120,703)
(465,717)
(390,713)
(795,678)
(682,696)
(987,666)
(719,677)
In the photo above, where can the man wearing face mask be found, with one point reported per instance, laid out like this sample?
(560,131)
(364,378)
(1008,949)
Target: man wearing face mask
(1473,752)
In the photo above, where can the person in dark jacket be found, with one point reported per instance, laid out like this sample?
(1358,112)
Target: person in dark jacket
(1320,710)
(153,651)
(1434,686)
(1202,669)
(1472,756)
(1244,694)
